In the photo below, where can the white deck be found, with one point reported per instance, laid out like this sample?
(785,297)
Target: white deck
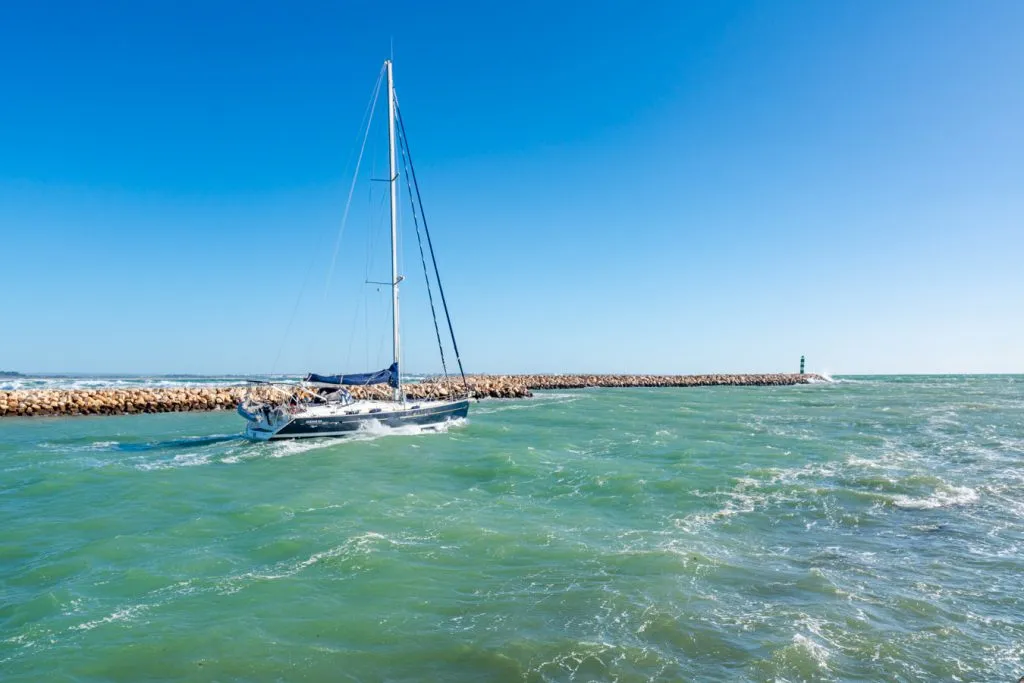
(366,408)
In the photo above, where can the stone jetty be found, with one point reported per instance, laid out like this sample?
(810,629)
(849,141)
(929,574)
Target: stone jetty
(122,401)
(584,381)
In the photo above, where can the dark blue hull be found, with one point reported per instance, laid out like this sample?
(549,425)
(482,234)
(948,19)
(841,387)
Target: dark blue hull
(344,425)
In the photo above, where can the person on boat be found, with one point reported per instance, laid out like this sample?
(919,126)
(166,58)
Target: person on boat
(341,396)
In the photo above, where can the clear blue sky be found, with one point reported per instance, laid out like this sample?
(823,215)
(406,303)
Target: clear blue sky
(646,187)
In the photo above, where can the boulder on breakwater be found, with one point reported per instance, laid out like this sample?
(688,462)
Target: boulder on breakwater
(121,401)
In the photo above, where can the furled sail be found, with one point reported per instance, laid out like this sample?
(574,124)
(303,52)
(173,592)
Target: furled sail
(388,375)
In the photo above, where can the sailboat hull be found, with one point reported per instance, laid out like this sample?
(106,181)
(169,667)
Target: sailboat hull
(313,423)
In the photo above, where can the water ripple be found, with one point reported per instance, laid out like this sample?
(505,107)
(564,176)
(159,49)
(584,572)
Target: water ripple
(865,529)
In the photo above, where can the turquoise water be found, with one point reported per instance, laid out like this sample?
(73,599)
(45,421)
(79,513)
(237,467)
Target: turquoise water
(860,530)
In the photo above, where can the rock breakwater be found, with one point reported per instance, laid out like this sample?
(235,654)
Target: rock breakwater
(584,381)
(42,402)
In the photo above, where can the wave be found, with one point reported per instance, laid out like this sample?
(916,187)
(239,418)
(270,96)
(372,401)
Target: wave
(359,545)
(180,460)
(947,496)
(539,400)
(815,650)
(170,444)
(123,614)
(893,479)
(372,429)
(233,449)
(368,431)
(828,378)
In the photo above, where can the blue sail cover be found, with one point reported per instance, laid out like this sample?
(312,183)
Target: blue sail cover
(388,375)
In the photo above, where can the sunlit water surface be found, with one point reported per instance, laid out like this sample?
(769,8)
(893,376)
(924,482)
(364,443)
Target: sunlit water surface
(861,530)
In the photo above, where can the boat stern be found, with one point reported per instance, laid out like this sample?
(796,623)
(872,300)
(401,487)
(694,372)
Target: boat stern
(262,424)
(255,432)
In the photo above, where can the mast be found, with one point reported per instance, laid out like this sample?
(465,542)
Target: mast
(393,186)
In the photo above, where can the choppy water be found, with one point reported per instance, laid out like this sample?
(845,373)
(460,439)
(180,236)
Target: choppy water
(861,530)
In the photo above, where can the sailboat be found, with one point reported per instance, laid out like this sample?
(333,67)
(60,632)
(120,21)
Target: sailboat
(320,405)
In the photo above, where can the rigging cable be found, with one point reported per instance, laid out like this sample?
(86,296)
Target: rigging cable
(368,117)
(363,298)
(430,244)
(423,259)
(352,187)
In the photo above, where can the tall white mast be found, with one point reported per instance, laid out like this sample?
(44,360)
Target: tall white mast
(394,222)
